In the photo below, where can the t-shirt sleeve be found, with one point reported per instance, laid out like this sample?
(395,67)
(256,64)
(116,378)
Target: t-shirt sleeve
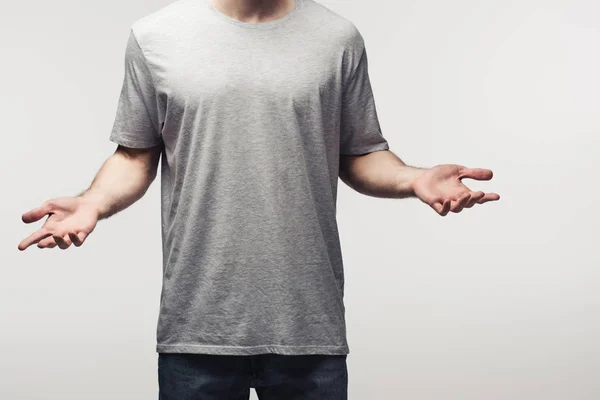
(136,121)
(360,131)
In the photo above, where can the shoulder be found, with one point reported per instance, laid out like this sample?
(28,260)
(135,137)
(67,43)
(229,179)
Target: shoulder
(333,27)
(164,22)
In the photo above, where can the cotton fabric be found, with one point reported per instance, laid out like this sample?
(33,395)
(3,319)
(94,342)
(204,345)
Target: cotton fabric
(252,119)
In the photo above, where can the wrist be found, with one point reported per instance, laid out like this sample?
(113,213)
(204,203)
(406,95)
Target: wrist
(93,201)
(406,178)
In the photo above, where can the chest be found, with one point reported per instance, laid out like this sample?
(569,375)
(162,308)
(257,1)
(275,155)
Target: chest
(250,73)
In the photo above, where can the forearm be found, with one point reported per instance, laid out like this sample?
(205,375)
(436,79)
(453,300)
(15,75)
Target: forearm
(123,179)
(379,174)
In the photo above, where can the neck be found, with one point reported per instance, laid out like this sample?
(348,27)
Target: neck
(254,10)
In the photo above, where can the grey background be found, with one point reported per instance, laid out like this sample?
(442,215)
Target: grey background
(498,302)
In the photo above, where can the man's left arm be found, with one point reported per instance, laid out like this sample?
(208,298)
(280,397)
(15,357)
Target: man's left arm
(383,174)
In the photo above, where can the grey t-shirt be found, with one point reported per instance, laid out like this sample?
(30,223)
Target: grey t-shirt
(253,119)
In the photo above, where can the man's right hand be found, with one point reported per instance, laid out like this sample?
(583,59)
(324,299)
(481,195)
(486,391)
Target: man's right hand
(122,180)
(70,220)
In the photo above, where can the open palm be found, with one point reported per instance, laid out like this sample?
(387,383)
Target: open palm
(442,189)
(70,220)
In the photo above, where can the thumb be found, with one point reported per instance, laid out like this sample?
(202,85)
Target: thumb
(37,213)
(479,174)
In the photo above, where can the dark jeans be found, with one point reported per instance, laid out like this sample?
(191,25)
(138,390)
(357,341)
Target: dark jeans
(275,377)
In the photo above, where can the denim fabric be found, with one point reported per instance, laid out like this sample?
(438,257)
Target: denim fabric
(186,376)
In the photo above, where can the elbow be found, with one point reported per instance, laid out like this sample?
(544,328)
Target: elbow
(347,176)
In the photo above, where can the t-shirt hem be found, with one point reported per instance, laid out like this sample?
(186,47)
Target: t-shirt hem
(252,350)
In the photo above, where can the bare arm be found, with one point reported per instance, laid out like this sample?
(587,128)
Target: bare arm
(378,174)
(122,180)
(383,174)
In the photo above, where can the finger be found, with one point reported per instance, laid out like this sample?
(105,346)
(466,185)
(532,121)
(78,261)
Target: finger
(62,241)
(479,174)
(37,213)
(475,197)
(458,205)
(47,243)
(489,197)
(77,238)
(446,208)
(34,238)
(442,208)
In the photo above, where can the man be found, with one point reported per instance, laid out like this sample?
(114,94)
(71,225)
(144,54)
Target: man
(257,108)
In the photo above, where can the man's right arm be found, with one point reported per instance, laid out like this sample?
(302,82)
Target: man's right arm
(123,179)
